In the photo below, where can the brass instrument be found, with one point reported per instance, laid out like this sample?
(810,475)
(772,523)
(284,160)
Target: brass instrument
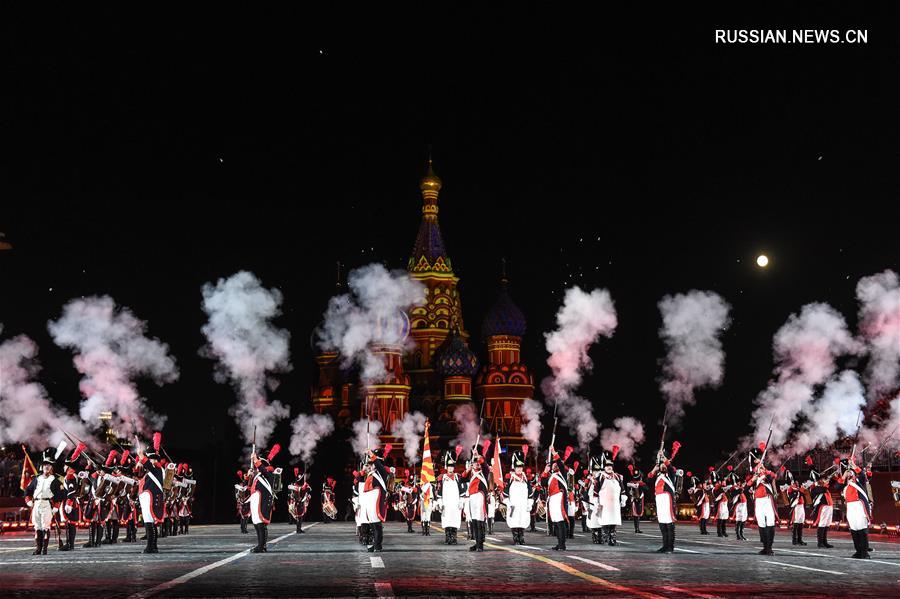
(168,476)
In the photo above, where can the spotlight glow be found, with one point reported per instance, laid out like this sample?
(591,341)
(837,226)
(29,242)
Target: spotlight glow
(762,260)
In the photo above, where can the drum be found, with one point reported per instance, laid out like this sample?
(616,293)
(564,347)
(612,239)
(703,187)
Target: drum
(541,510)
(169,477)
(276,481)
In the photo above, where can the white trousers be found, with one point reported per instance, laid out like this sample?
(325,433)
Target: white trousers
(857,517)
(765,511)
(798,515)
(825,513)
(664,509)
(740,512)
(41,514)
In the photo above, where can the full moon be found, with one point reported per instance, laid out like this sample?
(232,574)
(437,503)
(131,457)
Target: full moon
(762,260)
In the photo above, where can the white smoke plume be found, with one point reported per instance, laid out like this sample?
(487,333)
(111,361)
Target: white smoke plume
(692,325)
(359,442)
(27,414)
(468,428)
(832,416)
(410,429)
(111,350)
(531,421)
(879,327)
(805,348)
(309,429)
(373,312)
(627,433)
(247,348)
(581,321)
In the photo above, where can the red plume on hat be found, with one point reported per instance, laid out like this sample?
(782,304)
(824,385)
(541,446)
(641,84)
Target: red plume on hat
(689,474)
(575,466)
(631,468)
(675,447)
(525,451)
(837,460)
(297,472)
(111,457)
(711,469)
(387,449)
(77,453)
(273,452)
(125,455)
(730,467)
(240,475)
(808,460)
(458,451)
(485,446)
(569,450)
(762,446)
(584,472)
(331,482)
(615,451)
(157,441)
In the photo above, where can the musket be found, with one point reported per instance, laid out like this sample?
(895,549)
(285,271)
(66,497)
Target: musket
(725,463)
(762,458)
(96,460)
(552,435)
(478,437)
(662,439)
(855,438)
(253,453)
(881,446)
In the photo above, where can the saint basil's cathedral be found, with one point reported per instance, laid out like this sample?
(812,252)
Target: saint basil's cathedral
(439,366)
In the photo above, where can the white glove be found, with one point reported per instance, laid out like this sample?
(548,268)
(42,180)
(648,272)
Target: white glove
(29,503)
(54,510)
(68,509)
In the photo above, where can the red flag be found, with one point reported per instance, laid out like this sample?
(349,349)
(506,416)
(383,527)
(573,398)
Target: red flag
(28,471)
(496,470)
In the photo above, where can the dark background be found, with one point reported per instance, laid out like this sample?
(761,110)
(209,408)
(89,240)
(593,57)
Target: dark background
(148,154)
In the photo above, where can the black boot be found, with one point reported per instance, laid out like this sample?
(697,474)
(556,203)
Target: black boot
(446,536)
(258,548)
(38,542)
(379,536)
(427,528)
(863,541)
(800,540)
(584,527)
(793,534)
(409,527)
(475,527)
(531,527)
(725,529)
(612,536)
(671,528)
(595,536)
(703,530)
(174,526)
(859,552)
(490,526)
(155,529)
(561,534)
(570,530)
(771,539)
(482,529)
(265,546)
(187,524)
(764,539)
(115,535)
(148,529)
(637,525)
(454,540)
(551,529)
(244,526)
(825,542)
(664,531)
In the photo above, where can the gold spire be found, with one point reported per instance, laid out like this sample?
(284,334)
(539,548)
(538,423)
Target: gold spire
(430,182)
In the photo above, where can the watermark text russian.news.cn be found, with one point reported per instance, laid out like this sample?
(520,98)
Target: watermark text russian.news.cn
(792,36)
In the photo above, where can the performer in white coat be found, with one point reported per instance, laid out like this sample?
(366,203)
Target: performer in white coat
(449,493)
(609,494)
(515,495)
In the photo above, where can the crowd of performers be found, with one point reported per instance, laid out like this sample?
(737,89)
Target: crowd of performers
(122,490)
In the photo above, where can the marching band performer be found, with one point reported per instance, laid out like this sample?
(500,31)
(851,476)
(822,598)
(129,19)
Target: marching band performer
(491,510)
(592,494)
(359,483)
(329,510)
(262,495)
(584,506)
(128,507)
(449,491)
(609,491)
(426,505)
(536,499)
(185,504)
(764,504)
(42,496)
(665,492)
(374,498)
(571,500)
(636,487)
(298,499)
(409,501)
(516,496)
(152,494)
(109,508)
(798,511)
(557,497)
(738,498)
(822,506)
(477,498)
(721,499)
(701,502)
(859,509)
(242,499)
(70,509)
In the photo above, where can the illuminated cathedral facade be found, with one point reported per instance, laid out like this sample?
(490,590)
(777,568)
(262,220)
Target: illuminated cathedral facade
(441,366)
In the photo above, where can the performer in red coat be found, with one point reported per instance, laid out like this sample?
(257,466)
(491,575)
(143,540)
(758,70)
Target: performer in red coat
(262,497)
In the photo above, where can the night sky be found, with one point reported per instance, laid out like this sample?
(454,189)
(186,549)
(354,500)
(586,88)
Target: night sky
(145,157)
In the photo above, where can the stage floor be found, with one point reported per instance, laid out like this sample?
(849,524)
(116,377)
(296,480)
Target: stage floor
(327,562)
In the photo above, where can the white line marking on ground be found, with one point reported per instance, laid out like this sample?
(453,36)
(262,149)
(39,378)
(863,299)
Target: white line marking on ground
(376,562)
(200,571)
(593,563)
(687,592)
(871,561)
(688,550)
(493,539)
(530,547)
(384,589)
(803,567)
